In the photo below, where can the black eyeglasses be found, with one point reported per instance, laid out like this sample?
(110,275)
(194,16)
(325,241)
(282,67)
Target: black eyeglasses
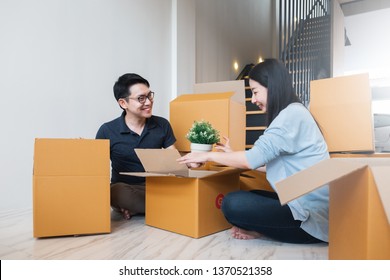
(142,98)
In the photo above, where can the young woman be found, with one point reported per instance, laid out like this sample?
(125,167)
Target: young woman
(292,142)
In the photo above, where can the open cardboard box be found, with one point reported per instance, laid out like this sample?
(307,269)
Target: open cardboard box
(220,103)
(359,204)
(183,200)
(71,187)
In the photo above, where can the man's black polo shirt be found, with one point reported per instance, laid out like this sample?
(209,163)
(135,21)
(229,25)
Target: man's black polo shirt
(157,134)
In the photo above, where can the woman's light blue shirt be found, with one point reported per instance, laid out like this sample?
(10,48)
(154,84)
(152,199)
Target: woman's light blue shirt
(291,143)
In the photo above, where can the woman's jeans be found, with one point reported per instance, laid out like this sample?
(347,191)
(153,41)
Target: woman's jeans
(262,212)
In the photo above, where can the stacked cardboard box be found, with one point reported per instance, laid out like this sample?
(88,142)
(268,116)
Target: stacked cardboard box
(221,103)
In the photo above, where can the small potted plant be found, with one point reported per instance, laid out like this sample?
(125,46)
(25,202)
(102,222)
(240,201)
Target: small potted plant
(202,136)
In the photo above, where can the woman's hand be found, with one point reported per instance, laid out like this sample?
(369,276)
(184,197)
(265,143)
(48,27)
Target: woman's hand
(194,165)
(224,147)
(193,159)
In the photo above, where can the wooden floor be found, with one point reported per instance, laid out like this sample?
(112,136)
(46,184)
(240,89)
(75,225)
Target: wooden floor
(135,240)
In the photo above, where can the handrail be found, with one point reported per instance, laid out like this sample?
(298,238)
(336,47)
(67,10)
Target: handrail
(245,71)
(304,42)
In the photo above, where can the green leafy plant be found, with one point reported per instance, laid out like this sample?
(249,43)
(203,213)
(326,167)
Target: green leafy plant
(202,132)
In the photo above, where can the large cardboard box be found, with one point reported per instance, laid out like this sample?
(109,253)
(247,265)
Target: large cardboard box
(182,200)
(221,103)
(342,108)
(71,187)
(359,204)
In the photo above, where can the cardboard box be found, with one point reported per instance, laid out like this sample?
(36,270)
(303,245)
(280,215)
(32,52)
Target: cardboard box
(359,204)
(254,180)
(182,200)
(342,108)
(222,104)
(71,187)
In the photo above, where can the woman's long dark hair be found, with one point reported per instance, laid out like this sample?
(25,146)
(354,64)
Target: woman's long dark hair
(273,75)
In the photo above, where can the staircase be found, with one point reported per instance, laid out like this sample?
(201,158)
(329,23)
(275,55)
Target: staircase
(304,42)
(304,47)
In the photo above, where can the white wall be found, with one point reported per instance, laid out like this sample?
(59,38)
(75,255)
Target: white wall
(185,49)
(369,50)
(228,31)
(337,40)
(60,59)
(58,62)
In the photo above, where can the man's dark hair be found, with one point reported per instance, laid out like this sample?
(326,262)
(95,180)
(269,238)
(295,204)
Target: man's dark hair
(122,86)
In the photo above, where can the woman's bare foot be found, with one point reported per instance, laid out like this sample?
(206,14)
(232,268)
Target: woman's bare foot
(239,233)
(126,214)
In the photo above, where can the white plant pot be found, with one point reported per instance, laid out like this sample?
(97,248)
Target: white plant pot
(199,148)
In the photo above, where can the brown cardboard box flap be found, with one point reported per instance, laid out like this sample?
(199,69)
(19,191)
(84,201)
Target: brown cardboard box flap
(314,177)
(331,170)
(205,97)
(382,180)
(151,174)
(52,157)
(237,87)
(211,174)
(342,108)
(163,162)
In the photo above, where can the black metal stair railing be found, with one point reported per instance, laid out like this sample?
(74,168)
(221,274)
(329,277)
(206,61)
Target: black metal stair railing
(245,71)
(304,42)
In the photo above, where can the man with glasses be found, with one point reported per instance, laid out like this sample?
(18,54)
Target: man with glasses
(135,128)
